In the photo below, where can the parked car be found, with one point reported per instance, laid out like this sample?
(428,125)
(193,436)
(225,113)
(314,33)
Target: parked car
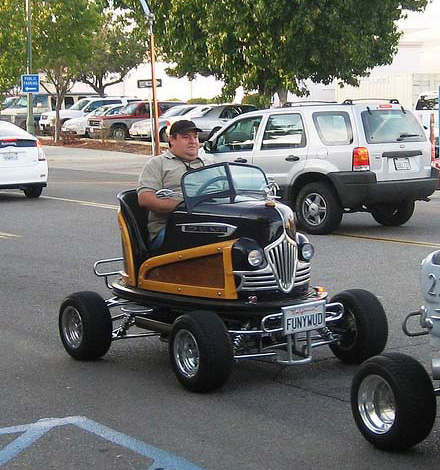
(83,107)
(211,118)
(78,126)
(330,159)
(42,103)
(117,127)
(9,101)
(23,164)
(427,105)
(142,129)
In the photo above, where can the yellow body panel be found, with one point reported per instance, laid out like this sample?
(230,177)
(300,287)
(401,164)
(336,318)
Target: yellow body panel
(128,275)
(205,271)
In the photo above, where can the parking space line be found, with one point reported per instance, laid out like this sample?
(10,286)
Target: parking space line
(33,431)
(6,235)
(390,240)
(83,203)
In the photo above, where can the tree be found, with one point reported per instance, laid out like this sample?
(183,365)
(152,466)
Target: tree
(269,46)
(117,48)
(63,41)
(12,43)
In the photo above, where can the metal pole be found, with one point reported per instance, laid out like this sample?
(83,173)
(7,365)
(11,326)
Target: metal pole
(30,126)
(153,87)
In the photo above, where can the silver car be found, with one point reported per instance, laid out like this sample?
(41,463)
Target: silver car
(211,118)
(142,129)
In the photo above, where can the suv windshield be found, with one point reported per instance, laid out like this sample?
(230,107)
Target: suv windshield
(223,183)
(37,99)
(391,125)
(80,104)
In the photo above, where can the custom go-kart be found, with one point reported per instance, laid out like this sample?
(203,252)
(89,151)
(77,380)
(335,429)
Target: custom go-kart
(230,282)
(392,397)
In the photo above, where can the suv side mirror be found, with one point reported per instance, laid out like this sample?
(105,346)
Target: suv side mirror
(207,146)
(87,109)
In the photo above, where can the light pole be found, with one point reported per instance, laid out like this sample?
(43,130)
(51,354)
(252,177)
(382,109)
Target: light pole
(155,133)
(30,126)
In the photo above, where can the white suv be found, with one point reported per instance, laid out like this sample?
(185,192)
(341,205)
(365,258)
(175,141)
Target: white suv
(334,158)
(80,109)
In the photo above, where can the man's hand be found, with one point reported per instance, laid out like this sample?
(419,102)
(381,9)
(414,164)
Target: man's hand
(148,200)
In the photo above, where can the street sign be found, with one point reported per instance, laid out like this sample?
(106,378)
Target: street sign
(148,83)
(30,83)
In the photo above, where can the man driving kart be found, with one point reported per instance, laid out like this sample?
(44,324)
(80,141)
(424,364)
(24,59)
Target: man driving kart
(165,172)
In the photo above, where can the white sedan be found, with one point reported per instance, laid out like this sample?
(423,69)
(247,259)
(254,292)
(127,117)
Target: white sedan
(23,163)
(78,125)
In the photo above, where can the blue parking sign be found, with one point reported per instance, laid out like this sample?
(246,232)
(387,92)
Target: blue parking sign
(30,83)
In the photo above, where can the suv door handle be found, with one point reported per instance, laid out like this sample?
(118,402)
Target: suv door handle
(240,160)
(292,158)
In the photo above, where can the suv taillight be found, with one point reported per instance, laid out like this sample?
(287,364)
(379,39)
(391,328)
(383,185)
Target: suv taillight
(432,152)
(41,154)
(361,159)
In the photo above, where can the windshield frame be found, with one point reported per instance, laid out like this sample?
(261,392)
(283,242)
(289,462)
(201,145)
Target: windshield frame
(191,201)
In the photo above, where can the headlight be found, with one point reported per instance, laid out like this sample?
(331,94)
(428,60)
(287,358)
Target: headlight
(306,251)
(255,257)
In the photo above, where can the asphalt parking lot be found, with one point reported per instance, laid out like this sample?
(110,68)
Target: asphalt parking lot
(127,411)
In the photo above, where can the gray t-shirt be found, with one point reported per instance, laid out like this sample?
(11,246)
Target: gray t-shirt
(165,172)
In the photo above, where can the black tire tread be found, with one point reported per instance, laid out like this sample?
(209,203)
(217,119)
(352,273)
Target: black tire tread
(401,214)
(97,325)
(214,346)
(414,395)
(371,323)
(33,191)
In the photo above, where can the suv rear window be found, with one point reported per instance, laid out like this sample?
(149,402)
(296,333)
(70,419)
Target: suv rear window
(334,127)
(391,125)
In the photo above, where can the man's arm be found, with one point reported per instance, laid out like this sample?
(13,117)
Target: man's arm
(149,200)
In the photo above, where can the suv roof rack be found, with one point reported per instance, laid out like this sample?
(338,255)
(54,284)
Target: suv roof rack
(291,104)
(391,101)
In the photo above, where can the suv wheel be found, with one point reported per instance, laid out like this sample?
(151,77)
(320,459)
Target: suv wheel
(119,133)
(318,209)
(392,215)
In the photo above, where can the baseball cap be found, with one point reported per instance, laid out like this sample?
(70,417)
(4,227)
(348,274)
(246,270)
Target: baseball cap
(183,126)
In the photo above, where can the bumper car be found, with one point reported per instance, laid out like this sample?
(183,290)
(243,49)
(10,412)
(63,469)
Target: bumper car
(392,396)
(231,282)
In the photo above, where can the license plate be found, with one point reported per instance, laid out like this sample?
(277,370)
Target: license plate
(10,156)
(303,317)
(402,163)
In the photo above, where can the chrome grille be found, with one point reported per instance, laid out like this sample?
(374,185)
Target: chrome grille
(265,279)
(282,257)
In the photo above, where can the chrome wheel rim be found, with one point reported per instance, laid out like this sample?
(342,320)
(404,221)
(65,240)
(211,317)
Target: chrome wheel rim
(348,330)
(314,209)
(72,327)
(376,404)
(186,353)
(119,134)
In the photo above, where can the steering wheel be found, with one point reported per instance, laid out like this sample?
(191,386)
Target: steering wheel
(208,183)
